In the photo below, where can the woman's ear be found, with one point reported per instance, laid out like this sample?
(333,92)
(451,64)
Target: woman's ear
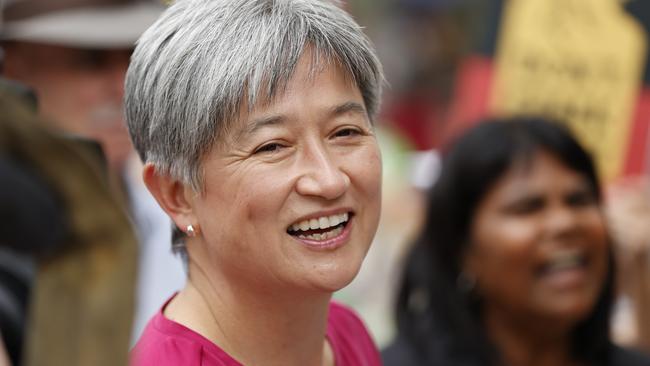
(172,195)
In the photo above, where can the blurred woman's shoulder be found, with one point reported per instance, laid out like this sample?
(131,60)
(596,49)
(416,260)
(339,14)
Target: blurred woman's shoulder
(400,353)
(623,356)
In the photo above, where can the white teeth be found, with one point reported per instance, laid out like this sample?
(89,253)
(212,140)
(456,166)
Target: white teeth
(564,260)
(335,220)
(564,263)
(324,236)
(323,222)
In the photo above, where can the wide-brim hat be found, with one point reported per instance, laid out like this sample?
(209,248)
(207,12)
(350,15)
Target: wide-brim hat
(78,23)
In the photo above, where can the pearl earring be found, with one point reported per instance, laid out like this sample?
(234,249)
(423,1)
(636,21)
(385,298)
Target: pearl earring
(190,231)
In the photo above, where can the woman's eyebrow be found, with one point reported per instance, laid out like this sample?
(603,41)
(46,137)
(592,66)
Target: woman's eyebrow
(261,122)
(349,107)
(258,123)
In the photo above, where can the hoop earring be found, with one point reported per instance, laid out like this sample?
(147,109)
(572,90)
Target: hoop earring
(190,231)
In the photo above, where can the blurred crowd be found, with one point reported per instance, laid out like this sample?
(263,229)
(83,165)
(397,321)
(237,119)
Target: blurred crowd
(440,59)
(82,237)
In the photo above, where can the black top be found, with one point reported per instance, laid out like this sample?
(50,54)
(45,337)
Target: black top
(628,357)
(402,353)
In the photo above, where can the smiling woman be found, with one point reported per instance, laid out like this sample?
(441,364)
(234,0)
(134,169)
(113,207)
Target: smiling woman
(307,160)
(514,265)
(254,119)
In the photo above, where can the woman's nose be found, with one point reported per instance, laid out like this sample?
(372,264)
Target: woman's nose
(562,221)
(321,176)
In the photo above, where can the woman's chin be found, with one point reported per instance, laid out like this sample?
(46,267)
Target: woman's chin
(332,280)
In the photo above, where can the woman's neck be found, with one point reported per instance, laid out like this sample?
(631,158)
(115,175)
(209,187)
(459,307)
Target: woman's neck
(523,342)
(253,325)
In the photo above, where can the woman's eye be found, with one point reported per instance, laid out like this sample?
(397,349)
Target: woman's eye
(526,206)
(581,198)
(268,148)
(346,132)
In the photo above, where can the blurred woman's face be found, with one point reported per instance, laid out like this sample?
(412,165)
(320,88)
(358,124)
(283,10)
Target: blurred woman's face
(539,245)
(292,197)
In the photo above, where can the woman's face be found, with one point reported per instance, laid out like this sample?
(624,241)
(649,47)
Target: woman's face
(292,197)
(539,244)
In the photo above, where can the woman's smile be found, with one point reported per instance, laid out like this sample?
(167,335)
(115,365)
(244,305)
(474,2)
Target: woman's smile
(324,232)
(565,269)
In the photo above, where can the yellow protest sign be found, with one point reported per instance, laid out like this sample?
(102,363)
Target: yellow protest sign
(575,60)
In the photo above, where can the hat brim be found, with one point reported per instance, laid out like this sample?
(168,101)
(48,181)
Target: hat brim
(101,27)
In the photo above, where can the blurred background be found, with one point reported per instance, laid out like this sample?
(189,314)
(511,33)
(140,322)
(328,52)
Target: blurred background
(448,63)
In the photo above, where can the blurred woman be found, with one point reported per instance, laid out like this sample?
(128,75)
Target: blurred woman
(514,265)
(254,119)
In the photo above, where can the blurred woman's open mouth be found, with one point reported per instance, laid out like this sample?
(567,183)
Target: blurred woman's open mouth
(326,232)
(565,268)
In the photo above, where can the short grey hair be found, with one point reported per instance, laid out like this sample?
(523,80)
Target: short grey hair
(203,60)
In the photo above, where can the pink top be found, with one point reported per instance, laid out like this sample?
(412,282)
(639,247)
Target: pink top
(167,343)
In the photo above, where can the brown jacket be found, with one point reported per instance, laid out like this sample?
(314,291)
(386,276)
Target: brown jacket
(82,299)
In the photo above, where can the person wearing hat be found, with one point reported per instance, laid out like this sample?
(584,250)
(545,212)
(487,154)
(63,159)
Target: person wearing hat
(74,54)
